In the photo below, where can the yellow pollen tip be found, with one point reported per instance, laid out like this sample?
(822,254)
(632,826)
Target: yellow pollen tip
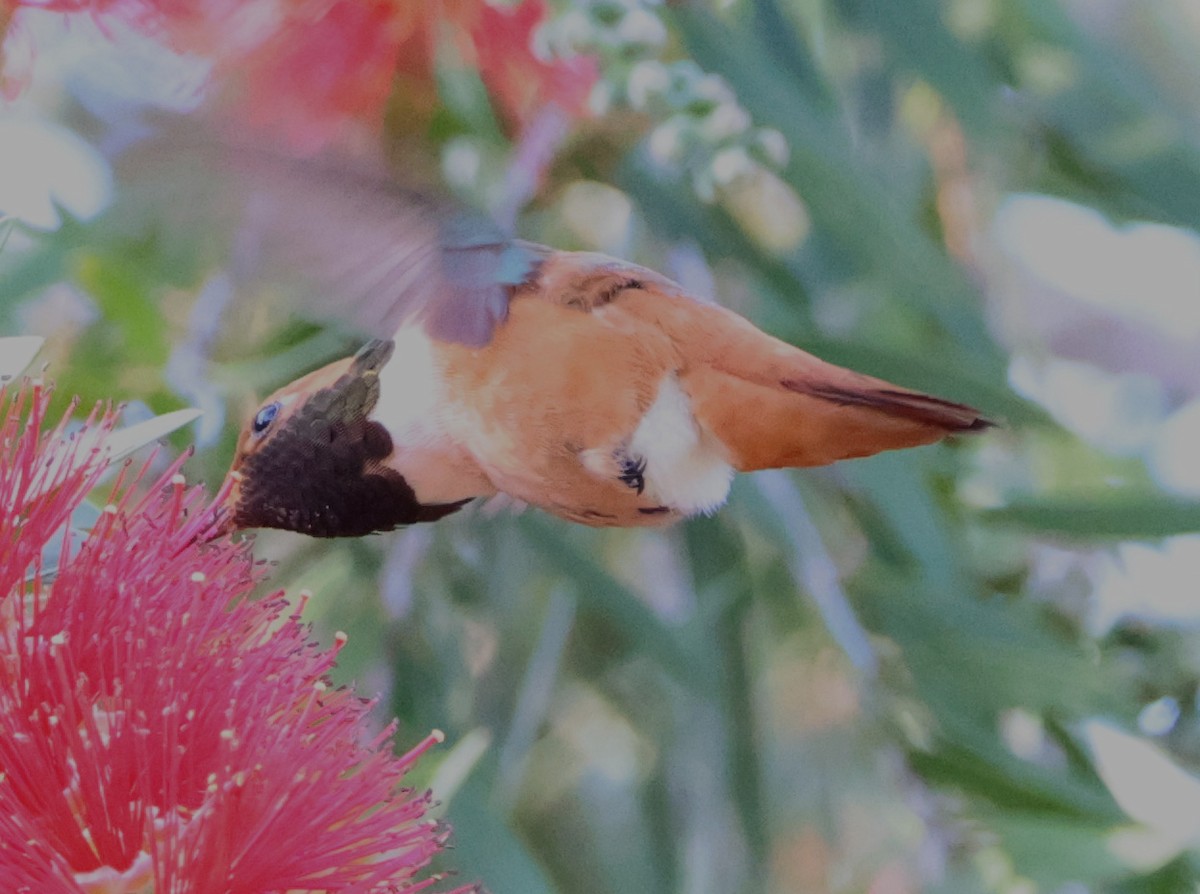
(341,637)
(178,479)
(438,736)
(198,577)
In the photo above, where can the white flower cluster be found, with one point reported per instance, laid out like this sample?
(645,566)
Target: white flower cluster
(700,128)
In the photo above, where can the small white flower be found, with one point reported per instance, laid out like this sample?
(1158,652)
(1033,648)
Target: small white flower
(703,186)
(647,79)
(713,88)
(730,164)
(727,120)
(461,162)
(573,30)
(774,146)
(667,140)
(640,27)
(600,99)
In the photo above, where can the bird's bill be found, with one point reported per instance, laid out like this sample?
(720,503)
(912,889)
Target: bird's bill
(223,509)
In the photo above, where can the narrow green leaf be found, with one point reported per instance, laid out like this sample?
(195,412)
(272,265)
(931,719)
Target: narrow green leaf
(1105,517)
(91,446)
(125,441)
(782,39)
(622,607)
(717,556)
(486,848)
(536,688)
(672,210)
(896,486)
(1054,851)
(125,295)
(975,762)
(6,227)
(1122,126)
(848,202)
(916,34)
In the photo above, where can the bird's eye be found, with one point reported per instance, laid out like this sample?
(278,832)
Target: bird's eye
(265,417)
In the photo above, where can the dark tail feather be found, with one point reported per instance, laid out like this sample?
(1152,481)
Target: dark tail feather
(911,405)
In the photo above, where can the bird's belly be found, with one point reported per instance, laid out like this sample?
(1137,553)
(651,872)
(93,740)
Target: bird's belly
(414,409)
(562,407)
(683,471)
(685,467)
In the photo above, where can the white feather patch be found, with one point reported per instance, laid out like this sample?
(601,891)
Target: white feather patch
(410,391)
(685,469)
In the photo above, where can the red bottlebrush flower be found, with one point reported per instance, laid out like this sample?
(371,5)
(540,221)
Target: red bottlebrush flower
(319,72)
(520,81)
(158,730)
(313,69)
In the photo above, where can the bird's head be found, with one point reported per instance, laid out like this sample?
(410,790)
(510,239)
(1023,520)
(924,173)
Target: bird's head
(312,460)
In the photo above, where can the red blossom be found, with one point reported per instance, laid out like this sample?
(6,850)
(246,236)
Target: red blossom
(516,76)
(159,730)
(314,69)
(43,475)
(315,75)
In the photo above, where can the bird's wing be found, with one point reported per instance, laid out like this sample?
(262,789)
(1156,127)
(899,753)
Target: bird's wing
(590,280)
(770,403)
(350,244)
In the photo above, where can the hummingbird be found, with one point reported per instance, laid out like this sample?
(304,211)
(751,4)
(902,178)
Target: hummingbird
(595,389)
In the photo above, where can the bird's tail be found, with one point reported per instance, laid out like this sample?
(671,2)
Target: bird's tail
(773,405)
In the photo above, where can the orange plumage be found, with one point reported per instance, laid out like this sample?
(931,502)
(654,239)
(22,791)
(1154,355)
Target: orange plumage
(607,396)
(590,387)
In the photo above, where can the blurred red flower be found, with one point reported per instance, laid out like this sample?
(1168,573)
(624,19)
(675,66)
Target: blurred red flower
(159,731)
(521,82)
(315,68)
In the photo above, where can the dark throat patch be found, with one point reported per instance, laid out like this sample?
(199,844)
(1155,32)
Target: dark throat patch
(321,472)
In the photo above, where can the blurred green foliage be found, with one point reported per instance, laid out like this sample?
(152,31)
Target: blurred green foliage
(820,688)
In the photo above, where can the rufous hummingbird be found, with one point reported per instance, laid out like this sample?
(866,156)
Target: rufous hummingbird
(594,389)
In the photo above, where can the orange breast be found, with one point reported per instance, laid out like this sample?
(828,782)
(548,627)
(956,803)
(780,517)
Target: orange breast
(555,390)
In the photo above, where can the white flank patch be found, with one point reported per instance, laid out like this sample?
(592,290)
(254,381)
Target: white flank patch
(684,469)
(410,391)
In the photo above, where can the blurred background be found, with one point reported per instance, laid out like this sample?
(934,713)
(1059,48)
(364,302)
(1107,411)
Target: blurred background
(971,667)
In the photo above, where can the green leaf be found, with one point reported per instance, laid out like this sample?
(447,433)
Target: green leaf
(124,294)
(618,604)
(674,212)
(1054,851)
(7,224)
(1105,517)
(971,760)
(848,202)
(486,848)
(90,446)
(119,444)
(916,34)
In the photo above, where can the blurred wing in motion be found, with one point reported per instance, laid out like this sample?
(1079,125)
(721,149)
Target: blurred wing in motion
(350,244)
